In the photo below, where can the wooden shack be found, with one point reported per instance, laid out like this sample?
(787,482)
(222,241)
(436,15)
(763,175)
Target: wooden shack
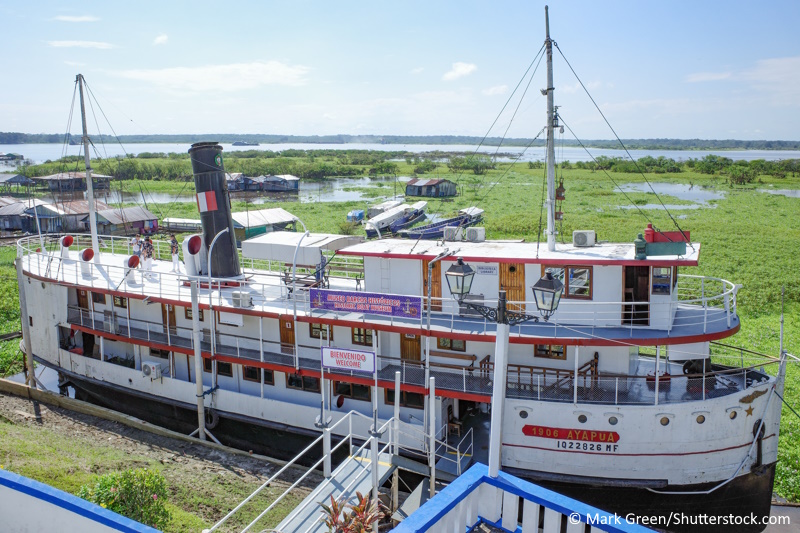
(431,188)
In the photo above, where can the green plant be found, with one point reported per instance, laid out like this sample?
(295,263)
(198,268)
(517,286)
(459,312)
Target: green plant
(359,519)
(138,494)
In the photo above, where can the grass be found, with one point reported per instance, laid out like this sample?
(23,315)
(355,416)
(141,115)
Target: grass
(747,237)
(199,495)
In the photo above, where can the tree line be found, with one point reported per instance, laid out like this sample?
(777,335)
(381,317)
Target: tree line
(634,144)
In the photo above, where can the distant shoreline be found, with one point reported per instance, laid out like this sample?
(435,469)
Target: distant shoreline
(13,138)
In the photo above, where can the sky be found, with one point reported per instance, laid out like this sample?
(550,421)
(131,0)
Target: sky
(676,69)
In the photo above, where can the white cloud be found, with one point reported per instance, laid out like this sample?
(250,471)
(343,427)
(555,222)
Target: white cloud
(417,70)
(707,76)
(224,78)
(161,39)
(74,63)
(71,18)
(459,70)
(497,89)
(80,44)
(778,78)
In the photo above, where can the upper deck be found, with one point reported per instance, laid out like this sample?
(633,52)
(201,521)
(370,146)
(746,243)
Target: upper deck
(699,308)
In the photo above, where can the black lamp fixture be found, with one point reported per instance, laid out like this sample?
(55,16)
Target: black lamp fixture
(547,293)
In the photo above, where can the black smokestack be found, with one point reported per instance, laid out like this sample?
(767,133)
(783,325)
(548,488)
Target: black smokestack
(214,205)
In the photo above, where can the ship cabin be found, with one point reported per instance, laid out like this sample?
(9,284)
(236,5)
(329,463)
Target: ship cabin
(621,322)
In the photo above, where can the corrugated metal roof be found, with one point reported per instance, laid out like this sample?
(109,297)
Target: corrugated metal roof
(8,200)
(286,177)
(264,217)
(18,207)
(69,176)
(81,207)
(126,215)
(423,182)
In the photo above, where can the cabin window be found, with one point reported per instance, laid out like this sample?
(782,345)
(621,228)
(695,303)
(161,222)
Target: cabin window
(121,302)
(250,373)
(352,390)
(187,312)
(320,331)
(414,400)
(362,336)
(577,280)
(550,351)
(306,383)
(99,298)
(223,368)
(451,344)
(661,280)
(161,354)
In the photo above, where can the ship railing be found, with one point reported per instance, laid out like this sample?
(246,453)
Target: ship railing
(698,301)
(524,381)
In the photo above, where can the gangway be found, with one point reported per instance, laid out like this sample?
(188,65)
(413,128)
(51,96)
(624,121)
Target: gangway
(394,445)
(351,477)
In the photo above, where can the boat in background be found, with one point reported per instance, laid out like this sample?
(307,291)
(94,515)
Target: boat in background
(244,143)
(413,214)
(466,217)
(376,210)
(383,221)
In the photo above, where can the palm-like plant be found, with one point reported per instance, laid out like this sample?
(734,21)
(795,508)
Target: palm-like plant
(341,517)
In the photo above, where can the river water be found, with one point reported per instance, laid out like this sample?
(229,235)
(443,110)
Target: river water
(39,153)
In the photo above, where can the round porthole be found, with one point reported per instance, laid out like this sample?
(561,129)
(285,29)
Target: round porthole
(512,269)
(582,419)
(732,415)
(613,420)
(523,414)
(664,421)
(701,419)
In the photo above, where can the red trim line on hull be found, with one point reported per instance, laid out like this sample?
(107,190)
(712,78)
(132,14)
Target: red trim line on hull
(637,454)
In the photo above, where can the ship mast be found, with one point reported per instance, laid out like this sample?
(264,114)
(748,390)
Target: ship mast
(551,151)
(89,186)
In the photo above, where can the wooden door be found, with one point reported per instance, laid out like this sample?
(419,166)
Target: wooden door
(512,280)
(636,295)
(410,347)
(83,299)
(436,285)
(287,335)
(168,318)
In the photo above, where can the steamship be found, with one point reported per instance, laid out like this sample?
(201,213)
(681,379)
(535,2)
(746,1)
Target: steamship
(625,395)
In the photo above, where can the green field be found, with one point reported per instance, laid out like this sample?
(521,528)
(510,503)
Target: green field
(748,237)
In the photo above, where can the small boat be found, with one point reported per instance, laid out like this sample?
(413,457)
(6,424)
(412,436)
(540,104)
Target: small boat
(244,143)
(356,215)
(383,221)
(412,215)
(466,217)
(376,210)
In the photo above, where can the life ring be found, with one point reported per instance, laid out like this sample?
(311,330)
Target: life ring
(212,418)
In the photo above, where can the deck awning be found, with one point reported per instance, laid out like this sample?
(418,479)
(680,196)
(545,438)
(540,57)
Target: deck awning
(281,246)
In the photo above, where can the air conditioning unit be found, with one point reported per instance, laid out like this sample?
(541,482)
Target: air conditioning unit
(583,238)
(151,370)
(476,234)
(242,299)
(452,233)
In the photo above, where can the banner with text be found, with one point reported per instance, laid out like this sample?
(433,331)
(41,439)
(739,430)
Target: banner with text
(367,302)
(346,359)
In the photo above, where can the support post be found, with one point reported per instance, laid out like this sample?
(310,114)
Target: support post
(26,326)
(658,364)
(198,363)
(432,450)
(575,376)
(396,423)
(498,386)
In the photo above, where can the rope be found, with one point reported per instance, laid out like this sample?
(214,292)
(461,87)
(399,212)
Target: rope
(606,173)
(674,221)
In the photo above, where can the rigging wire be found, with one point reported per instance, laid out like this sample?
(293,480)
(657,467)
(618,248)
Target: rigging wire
(674,221)
(511,165)
(563,122)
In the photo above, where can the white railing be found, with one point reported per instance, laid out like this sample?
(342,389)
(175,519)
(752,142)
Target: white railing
(700,300)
